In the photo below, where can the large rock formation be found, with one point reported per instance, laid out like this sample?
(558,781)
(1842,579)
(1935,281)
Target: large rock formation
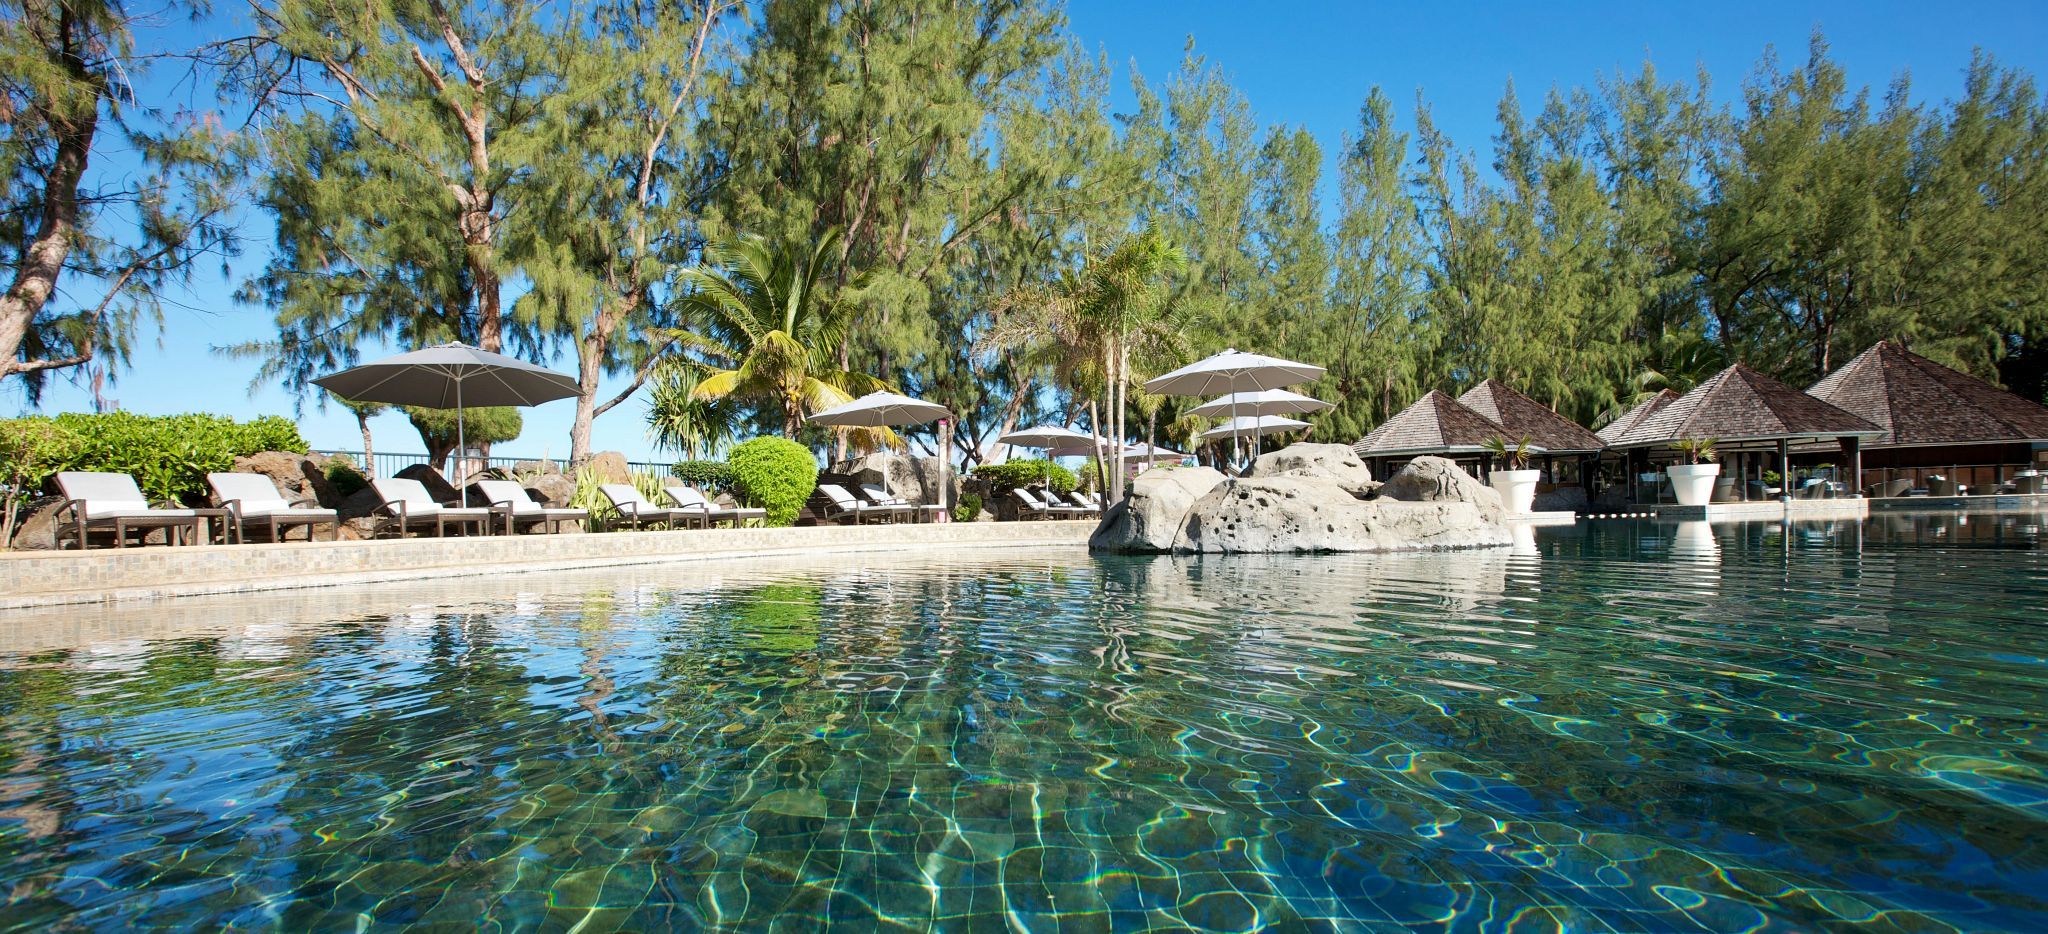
(1335,462)
(1154,510)
(1311,500)
(610,467)
(913,479)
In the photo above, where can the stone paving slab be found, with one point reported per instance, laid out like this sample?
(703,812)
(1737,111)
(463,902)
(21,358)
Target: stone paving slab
(50,578)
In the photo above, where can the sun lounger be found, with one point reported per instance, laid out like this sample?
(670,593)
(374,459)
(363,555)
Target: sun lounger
(507,498)
(1087,504)
(881,497)
(638,511)
(1035,508)
(252,499)
(1888,489)
(690,499)
(100,501)
(841,506)
(1943,486)
(409,503)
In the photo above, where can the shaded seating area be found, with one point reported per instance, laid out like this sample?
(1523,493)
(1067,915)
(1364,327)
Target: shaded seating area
(920,512)
(1569,450)
(1944,432)
(511,501)
(253,501)
(1030,506)
(1754,421)
(408,506)
(112,502)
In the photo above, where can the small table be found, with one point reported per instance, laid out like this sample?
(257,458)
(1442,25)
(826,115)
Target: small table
(206,520)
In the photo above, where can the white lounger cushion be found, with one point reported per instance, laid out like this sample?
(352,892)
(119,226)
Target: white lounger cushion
(509,491)
(108,495)
(416,499)
(256,496)
(627,500)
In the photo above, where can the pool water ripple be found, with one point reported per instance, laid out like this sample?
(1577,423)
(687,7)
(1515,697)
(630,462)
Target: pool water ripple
(1633,728)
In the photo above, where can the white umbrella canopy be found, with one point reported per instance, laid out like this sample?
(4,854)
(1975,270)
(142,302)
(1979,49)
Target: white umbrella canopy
(1261,402)
(1254,426)
(1232,371)
(1151,453)
(879,410)
(451,376)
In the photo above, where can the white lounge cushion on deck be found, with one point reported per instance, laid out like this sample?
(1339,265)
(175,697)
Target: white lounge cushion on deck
(508,491)
(111,495)
(627,500)
(418,502)
(257,497)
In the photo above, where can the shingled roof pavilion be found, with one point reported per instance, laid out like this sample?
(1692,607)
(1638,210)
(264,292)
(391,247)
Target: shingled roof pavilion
(1434,424)
(1524,417)
(1938,423)
(1748,415)
(1635,416)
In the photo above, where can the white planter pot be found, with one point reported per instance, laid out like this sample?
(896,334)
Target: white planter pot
(1692,484)
(1517,488)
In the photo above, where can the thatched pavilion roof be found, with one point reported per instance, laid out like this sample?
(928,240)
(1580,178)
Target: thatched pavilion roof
(1524,417)
(1741,404)
(1435,424)
(1633,417)
(1920,402)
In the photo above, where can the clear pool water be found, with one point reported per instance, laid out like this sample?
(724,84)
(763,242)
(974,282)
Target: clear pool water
(1625,727)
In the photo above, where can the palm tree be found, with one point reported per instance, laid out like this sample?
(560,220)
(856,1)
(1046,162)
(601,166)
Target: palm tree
(770,329)
(1118,304)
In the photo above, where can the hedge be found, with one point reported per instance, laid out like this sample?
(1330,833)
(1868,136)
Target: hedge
(1013,474)
(704,475)
(775,474)
(168,455)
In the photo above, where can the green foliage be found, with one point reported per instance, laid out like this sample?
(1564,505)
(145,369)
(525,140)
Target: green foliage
(437,428)
(681,421)
(1513,455)
(168,455)
(704,475)
(1697,450)
(967,509)
(1025,473)
(343,475)
(592,500)
(28,446)
(775,474)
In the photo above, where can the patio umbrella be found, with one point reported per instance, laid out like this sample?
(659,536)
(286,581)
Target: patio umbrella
(1255,426)
(886,409)
(450,376)
(1261,402)
(1151,453)
(1233,371)
(1049,439)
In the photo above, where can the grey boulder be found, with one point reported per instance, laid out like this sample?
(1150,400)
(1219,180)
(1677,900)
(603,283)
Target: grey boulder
(1153,510)
(1336,462)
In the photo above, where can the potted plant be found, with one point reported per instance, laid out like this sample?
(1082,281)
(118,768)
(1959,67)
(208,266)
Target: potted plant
(1692,482)
(1517,482)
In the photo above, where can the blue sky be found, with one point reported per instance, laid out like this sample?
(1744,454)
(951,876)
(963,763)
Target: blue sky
(1299,64)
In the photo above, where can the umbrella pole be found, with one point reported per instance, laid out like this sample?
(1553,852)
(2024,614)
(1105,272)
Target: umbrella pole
(460,441)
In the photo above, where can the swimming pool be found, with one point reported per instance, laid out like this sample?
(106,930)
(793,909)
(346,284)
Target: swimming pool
(1617,726)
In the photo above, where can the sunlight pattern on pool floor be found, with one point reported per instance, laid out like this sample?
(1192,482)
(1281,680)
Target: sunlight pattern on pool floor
(1629,727)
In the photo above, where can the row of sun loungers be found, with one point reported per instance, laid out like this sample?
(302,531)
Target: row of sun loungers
(1050,506)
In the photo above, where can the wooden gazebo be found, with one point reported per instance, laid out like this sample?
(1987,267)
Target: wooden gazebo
(1754,421)
(1938,424)
(1434,424)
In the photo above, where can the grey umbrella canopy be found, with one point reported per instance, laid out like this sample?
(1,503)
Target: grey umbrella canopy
(450,376)
(880,409)
(885,409)
(1254,426)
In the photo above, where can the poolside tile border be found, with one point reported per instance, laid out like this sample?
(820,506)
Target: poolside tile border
(50,578)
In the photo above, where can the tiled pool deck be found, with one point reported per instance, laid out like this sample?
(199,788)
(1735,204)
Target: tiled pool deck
(50,578)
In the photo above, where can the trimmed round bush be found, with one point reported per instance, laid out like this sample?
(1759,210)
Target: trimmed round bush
(1025,473)
(776,474)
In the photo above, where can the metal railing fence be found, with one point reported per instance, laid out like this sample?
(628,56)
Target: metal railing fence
(388,464)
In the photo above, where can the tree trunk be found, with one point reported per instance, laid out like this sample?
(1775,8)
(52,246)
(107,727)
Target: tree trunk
(42,263)
(369,451)
(1095,438)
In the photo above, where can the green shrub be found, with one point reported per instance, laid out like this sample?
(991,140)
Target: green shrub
(168,455)
(710,476)
(967,509)
(344,477)
(775,474)
(592,500)
(1009,476)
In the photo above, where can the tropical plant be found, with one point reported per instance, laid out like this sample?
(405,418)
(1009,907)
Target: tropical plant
(704,475)
(1026,473)
(1118,304)
(680,421)
(771,329)
(775,474)
(967,509)
(1697,450)
(487,425)
(592,500)
(1514,456)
